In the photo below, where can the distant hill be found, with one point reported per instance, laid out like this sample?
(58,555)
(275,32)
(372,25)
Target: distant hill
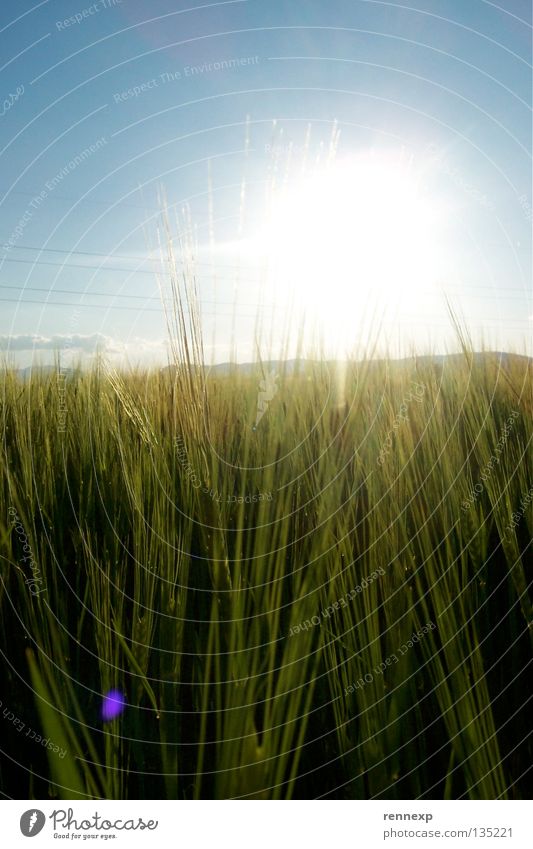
(290,366)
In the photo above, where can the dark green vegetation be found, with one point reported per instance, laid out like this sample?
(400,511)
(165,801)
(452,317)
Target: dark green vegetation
(185,599)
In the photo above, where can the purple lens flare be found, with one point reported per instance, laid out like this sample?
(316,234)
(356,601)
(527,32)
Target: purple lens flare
(113,705)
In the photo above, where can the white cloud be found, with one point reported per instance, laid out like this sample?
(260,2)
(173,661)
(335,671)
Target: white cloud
(74,342)
(136,343)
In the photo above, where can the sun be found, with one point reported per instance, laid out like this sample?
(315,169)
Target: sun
(357,235)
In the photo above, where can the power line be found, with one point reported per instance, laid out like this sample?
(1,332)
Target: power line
(101,268)
(200,301)
(117,295)
(213,266)
(414,316)
(110,307)
(109,256)
(79,265)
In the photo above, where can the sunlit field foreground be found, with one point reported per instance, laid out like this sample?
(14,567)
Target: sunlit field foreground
(334,603)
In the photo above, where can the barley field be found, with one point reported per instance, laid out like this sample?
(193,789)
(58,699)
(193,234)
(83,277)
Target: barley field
(300,580)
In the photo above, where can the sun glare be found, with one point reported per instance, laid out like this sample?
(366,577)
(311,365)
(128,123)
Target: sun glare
(352,237)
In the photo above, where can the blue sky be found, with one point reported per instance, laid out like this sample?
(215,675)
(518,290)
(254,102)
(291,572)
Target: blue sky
(102,110)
